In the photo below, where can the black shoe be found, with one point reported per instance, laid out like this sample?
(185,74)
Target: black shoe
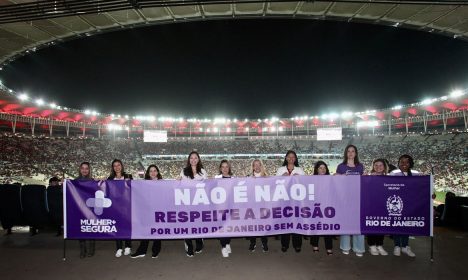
(154,256)
(137,255)
(252,247)
(190,253)
(284,249)
(265,247)
(8,231)
(199,250)
(298,250)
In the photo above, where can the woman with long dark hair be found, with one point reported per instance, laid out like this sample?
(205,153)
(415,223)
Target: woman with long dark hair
(152,173)
(351,166)
(87,247)
(405,168)
(193,170)
(321,168)
(118,173)
(290,168)
(225,172)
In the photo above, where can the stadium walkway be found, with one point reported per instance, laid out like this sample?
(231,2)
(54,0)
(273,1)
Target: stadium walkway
(40,257)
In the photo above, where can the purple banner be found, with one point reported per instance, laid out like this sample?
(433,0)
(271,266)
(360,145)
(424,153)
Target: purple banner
(238,207)
(390,205)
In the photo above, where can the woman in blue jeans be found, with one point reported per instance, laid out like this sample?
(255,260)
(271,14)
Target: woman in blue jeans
(351,166)
(405,168)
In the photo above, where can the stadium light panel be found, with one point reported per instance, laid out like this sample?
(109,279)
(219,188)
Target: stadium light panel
(456,93)
(53,105)
(39,102)
(398,107)
(426,101)
(23,97)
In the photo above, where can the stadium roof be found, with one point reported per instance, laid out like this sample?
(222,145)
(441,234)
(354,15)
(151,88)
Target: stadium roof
(26,25)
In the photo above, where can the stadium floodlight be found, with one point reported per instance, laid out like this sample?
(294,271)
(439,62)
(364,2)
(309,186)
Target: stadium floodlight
(87,112)
(456,93)
(181,120)
(39,102)
(112,115)
(126,116)
(246,120)
(235,120)
(53,105)
(426,101)
(152,118)
(94,113)
(346,115)
(10,90)
(368,124)
(398,107)
(23,97)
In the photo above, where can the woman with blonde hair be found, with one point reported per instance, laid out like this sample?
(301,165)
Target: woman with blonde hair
(258,170)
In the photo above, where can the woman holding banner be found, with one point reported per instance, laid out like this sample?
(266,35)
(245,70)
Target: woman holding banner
(225,172)
(405,168)
(193,171)
(375,242)
(152,173)
(290,168)
(351,166)
(118,173)
(258,170)
(86,246)
(321,168)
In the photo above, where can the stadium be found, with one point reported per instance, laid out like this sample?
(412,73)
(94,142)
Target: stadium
(43,137)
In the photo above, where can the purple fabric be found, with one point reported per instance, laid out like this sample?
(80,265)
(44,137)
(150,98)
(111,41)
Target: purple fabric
(347,170)
(168,209)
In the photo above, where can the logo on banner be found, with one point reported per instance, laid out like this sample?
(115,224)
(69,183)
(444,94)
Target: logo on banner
(394,205)
(99,202)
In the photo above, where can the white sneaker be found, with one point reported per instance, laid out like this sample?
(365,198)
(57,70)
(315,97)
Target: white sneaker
(225,252)
(359,254)
(397,251)
(228,247)
(346,252)
(373,251)
(127,251)
(407,250)
(382,251)
(118,254)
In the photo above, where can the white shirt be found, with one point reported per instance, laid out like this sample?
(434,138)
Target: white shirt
(398,172)
(196,176)
(221,176)
(295,171)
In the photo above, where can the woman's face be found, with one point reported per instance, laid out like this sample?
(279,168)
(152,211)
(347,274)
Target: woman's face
(84,170)
(117,167)
(257,167)
(290,158)
(224,169)
(351,153)
(322,170)
(153,173)
(379,167)
(404,164)
(194,160)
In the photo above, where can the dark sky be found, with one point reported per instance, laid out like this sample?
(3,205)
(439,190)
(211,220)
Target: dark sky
(244,68)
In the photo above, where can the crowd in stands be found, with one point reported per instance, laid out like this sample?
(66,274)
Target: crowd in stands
(38,158)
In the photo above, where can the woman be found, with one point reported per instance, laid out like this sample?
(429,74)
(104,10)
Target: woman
(375,242)
(118,173)
(351,166)
(290,168)
(405,168)
(193,171)
(225,172)
(86,246)
(258,170)
(152,173)
(321,168)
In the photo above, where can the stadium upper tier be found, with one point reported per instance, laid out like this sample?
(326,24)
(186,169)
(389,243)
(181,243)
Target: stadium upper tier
(20,111)
(26,158)
(28,25)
